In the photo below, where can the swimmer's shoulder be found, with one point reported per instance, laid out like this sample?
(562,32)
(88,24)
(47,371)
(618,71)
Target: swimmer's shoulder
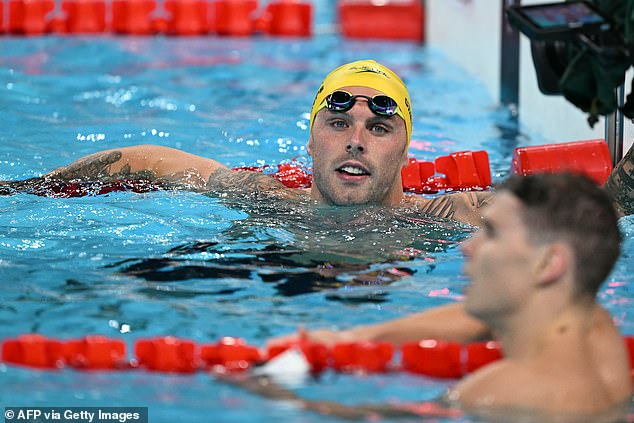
(526,387)
(609,354)
(465,207)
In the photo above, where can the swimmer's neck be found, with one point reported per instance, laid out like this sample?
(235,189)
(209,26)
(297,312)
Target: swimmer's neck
(393,199)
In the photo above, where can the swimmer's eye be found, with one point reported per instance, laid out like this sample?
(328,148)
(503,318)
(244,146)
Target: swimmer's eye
(379,129)
(338,123)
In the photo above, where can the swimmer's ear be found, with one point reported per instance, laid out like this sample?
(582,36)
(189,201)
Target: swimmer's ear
(309,146)
(405,161)
(553,261)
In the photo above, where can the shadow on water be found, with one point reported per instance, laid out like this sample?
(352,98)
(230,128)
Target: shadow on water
(301,248)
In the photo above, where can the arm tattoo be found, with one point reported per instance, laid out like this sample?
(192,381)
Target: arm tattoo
(98,168)
(442,206)
(93,167)
(479,199)
(227,180)
(464,207)
(620,184)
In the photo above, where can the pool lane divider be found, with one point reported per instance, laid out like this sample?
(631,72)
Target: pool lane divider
(460,171)
(470,170)
(173,355)
(360,19)
(150,17)
(429,357)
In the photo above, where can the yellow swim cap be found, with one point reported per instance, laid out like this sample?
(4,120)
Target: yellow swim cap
(366,73)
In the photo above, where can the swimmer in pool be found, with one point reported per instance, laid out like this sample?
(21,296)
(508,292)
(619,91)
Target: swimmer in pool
(360,128)
(546,244)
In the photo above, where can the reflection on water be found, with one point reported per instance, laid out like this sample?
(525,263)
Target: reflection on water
(303,248)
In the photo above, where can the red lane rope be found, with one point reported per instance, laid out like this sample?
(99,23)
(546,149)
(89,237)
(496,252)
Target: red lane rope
(460,171)
(428,357)
(220,17)
(148,17)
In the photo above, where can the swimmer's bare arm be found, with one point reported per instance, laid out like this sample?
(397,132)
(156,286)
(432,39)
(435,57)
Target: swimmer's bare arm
(265,387)
(450,322)
(173,167)
(141,162)
(620,184)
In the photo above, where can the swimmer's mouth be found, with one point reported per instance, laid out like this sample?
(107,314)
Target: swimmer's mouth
(353,170)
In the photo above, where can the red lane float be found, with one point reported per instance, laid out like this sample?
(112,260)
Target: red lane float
(234,17)
(32,350)
(187,17)
(167,354)
(371,357)
(448,359)
(29,17)
(1,16)
(290,18)
(430,357)
(84,16)
(386,19)
(133,17)
(464,170)
(592,158)
(95,353)
(230,353)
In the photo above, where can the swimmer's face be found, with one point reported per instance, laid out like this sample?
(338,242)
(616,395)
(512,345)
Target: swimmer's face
(501,261)
(357,155)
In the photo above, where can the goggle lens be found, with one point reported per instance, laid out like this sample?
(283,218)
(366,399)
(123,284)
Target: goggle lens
(342,101)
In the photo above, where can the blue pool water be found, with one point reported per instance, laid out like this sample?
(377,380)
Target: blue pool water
(132,265)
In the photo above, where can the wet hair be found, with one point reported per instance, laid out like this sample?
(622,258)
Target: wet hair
(573,209)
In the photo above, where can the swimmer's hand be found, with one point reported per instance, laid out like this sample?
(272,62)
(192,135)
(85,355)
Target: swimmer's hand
(5,188)
(13,187)
(319,336)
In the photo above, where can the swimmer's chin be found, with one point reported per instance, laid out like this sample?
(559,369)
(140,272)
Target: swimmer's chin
(352,203)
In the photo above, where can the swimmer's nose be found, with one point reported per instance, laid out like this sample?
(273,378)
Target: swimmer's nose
(355,143)
(354,148)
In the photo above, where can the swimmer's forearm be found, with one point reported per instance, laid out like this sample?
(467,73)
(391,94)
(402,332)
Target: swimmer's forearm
(620,184)
(147,162)
(450,323)
(12,187)
(367,412)
(265,387)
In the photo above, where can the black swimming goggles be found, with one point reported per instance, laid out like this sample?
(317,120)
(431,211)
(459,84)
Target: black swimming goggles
(381,105)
